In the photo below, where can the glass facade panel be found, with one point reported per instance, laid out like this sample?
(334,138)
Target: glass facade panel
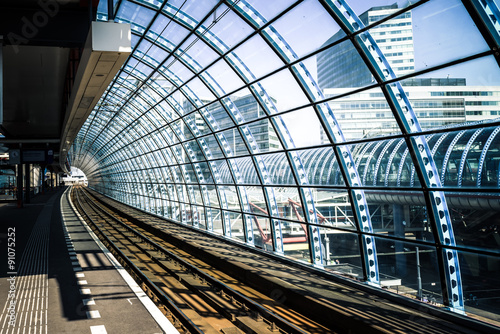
(399,270)
(453,32)
(363,115)
(295,243)
(480,280)
(474,222)
(295,122)
(358,137)
(306,27)
(257,57)
(342,252)
(458,94)
(279,88)
(226,27)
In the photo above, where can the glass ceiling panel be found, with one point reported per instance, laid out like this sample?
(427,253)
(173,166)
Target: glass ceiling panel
(166,111)
(210,147)
(226,26)
(284,89)
(341,66)
(453,33)
(168,29)
(385,7)
(182,130)
(296,122)
(268,9)
(137,15)
(232,143)
(225,76)
(134,40)
(195,10)
(203,94)
(257,57)
(306,27)
(176,72)
(155,3)
(150,53)
(197,53)
(137,70)
(217,116)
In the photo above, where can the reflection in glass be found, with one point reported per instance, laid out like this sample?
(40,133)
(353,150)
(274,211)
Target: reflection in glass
(475,220)
(399,270)
(480,275)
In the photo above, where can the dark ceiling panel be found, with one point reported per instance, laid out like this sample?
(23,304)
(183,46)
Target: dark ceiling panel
(45,23)
(33,90)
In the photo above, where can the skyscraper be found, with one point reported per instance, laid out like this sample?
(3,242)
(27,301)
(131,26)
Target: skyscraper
(437,102)
(394,38)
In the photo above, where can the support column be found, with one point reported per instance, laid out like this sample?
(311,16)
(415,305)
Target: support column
(27,181)
(399,232)
(42,177)
(19,186)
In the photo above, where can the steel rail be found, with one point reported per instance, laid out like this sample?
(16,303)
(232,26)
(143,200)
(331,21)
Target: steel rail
(178,316)
(246,304)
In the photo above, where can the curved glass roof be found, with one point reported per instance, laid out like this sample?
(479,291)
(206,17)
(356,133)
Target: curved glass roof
(359,137)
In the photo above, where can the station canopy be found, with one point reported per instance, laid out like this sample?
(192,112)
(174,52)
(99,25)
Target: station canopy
(356,137)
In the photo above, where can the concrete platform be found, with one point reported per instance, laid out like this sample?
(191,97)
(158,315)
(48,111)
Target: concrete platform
(59,280)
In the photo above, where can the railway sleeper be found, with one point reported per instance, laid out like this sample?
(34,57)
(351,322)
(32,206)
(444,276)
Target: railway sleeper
(194,316)
(206,292)
(225,303)
(176,240)
(139,277)
(251,325)
(292,296)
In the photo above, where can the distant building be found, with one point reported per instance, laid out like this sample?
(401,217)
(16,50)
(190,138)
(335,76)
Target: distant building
(341,66)
(437,102)
(367,114)
(261,129)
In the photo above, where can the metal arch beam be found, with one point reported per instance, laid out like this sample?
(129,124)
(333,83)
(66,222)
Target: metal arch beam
(176,106)
(360,156)
(278,122)
(408,123)
(391,159)
(134,87)
(379,160)
(344,154)
(448,153)
(464,156)
(331,166)
(284,135)
(320,162)
(488,21)
(368,160)
(209,81)
(485,150)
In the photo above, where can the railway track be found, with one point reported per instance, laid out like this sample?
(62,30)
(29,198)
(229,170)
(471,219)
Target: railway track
(203,284)
(195,296)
